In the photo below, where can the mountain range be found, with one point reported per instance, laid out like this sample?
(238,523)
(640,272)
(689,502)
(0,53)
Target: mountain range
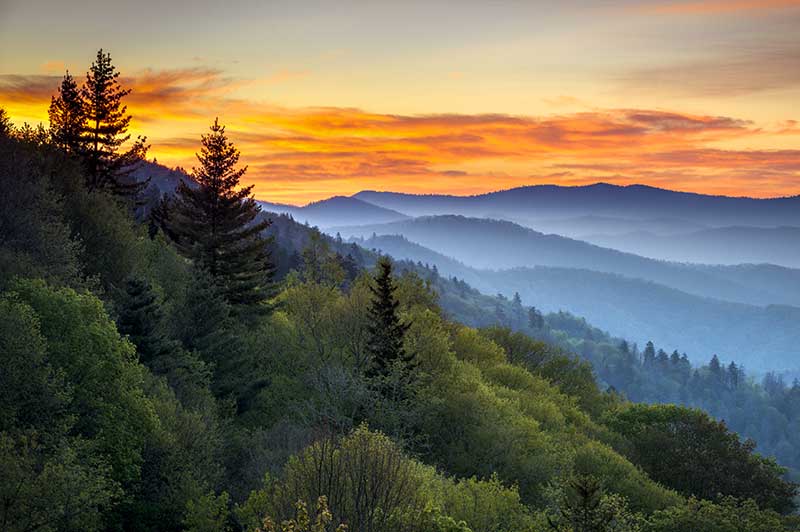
(495,244)
(338,210)
(721,245)
(632,308)
(542,202)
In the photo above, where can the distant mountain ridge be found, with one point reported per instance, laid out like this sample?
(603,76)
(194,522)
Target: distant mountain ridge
(496,244)
(722,245)
(632,308)
(337,210)
(600,199)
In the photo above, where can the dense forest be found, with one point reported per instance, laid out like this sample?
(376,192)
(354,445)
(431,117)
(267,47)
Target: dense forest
(186,362)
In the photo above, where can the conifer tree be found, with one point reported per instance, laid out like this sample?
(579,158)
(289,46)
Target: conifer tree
(386,331)
(141,318)
(216,224)
(105,131)
(649,354)
(67,119)
(5,123)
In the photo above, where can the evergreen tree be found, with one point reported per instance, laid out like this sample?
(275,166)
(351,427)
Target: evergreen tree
(67,119)
(517,300)
(104,133)
(715,366)
(141,318)
(583,506)
(5,124)
(649,354)
(535,318)
(216,224)
(386,331)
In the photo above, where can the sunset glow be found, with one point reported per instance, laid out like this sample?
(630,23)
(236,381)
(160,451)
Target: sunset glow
(716,112)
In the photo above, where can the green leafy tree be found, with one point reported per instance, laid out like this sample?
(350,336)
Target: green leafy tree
(687,450)
(108,401)
(51,478)
(727,515)
(67,118)
(216,224)
(105,131)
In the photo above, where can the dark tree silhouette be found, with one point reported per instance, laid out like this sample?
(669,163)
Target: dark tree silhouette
(386,331)
(67,119)
(216,224)
(105,131)
(5,123)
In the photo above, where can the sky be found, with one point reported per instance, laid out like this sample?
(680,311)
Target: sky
(330,98)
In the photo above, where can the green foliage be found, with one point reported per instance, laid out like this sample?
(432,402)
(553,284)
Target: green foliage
(687,450)
(83,344)
(728,515)
(582,505)
(52,478)
(208,513)
(52,487)
(141,318)
(35,238)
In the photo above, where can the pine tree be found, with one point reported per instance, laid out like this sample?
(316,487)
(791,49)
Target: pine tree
(386,331)
(104,133)
(5,124)
(141,318)
(67,119)
(649,354)
(216,225)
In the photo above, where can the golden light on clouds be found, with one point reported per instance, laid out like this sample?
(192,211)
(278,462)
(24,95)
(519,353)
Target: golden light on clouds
(299,155)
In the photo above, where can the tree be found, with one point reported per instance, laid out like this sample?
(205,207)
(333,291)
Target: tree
(141,318)
(726,515)
(649,354)
(104,132)
(218,226)
(67,118)
(386,331)
(687,450)
(5,124)
(535,319)
(583,506)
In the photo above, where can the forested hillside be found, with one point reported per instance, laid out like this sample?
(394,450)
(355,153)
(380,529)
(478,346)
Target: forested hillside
(207,369)
(637,309)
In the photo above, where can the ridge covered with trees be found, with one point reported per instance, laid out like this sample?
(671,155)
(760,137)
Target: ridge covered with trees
(211,370)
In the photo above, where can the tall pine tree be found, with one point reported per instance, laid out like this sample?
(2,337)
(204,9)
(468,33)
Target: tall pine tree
(216,224)
(67,119)
(105,131)
(386,331)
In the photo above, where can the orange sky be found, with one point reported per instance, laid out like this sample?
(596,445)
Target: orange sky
(701,96)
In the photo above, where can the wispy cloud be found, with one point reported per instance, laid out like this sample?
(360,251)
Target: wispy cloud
(303,154)
(712,7)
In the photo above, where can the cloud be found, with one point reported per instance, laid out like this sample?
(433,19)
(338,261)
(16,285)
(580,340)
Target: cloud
(735,70)
(302,154)
(712,7)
